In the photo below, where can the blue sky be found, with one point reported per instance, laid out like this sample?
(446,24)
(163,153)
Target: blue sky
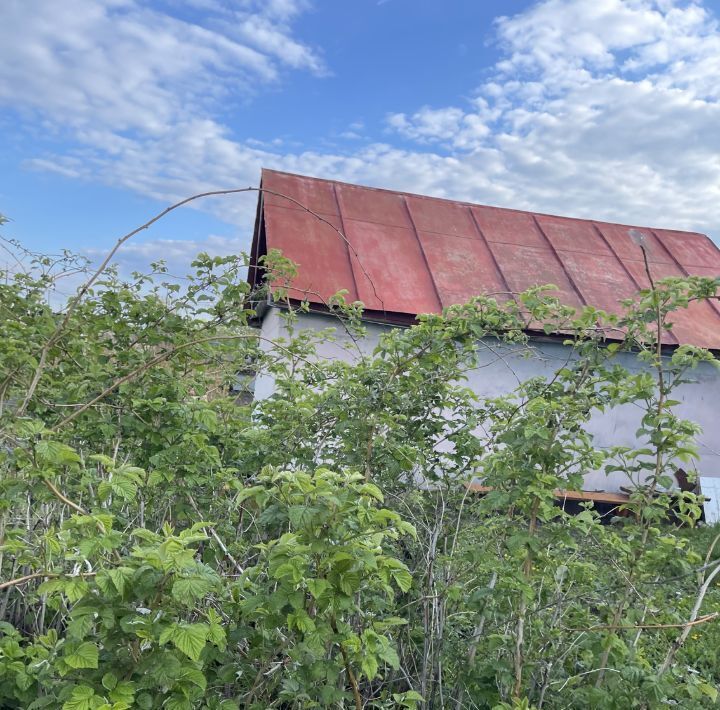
(110,109)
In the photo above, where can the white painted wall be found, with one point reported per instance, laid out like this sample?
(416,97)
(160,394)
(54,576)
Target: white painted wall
(503,367)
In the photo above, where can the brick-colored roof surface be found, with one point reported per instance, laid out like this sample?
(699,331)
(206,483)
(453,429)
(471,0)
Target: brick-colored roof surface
(403,254)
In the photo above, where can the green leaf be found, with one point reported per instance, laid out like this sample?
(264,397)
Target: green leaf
(177,702)
(709,690)
(402,578)
(144,701)
(406,528)
(190,589)
(123,693)
(409,700)
(194,676)
(349,582)
(389,655)
(249,493)
(84,656)
(369,665)
(53,452)
(190,639)
(120,576)
(216,633)
(109,681)
(82,698)
(317,587)
(75,588)
(372,490)
(104,460)
(119,485)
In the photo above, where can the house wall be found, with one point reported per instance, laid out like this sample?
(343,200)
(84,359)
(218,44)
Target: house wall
(503,367)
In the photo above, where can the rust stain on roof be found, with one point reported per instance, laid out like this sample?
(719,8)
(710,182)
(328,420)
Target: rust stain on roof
(407,254)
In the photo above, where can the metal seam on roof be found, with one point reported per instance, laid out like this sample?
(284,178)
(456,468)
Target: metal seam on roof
(422,251)
(669,252)
(560,261)
(622,263)
(347,245)
(638,286)
(495,262)
(715,306)
(599,232)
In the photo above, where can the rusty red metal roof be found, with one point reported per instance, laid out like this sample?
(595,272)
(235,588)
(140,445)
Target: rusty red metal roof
(403,254)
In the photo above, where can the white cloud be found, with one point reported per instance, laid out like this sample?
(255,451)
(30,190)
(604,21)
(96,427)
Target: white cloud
(175,253)
(604,108)
(597,108)
(125,65)
(449,125)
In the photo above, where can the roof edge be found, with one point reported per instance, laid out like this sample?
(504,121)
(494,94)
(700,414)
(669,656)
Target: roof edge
(589,220)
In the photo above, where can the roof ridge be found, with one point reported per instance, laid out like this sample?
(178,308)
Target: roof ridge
(417,195)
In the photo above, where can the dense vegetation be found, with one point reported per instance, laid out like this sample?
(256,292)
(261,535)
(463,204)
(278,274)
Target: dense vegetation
(165,543)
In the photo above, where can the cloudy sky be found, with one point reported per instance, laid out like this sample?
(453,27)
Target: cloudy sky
(110,109)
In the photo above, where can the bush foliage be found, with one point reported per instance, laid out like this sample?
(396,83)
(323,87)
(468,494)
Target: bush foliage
(165,542)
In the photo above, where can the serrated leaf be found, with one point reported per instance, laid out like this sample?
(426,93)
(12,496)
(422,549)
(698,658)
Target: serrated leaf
(317,587)
(407,528)
(177,702)
(120,576)
(166,634)
(216,633)
(84,656)
(389,655)
(402,578)
(249,493)
(51,586)
(82,698)
(123,693)
(53,452)
(75,588)
(190,589)
(349,583)
(372,490)
(144,701)
(369,666)
(190,639)
(194,676)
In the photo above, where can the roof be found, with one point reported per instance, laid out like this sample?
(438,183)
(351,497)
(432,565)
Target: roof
(403,254)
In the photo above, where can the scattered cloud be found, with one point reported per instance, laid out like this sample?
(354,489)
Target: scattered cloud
(177,254)
(605,109)
(129,65)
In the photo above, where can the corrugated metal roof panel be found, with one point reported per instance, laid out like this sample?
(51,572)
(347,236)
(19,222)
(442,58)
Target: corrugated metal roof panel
(573,235)
(508,227)
(690,248)
(525,267)
(610,283)
(316,195)
(441,217)
(462,268)
(406,287)
(619,240)
(406,254)
(323,265)
(381,207)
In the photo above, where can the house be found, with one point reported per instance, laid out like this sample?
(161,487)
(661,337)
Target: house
(403,254)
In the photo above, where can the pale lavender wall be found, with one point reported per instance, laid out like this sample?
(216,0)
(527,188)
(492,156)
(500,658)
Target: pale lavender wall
(503,367)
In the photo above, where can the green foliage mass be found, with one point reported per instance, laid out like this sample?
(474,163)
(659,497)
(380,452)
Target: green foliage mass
(166,542)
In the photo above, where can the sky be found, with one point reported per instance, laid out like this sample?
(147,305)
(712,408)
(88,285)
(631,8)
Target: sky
(112,109)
